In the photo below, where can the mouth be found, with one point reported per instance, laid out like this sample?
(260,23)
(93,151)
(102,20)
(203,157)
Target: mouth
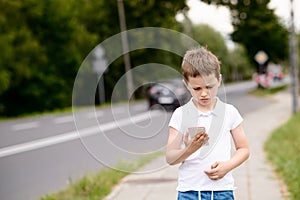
(204,99)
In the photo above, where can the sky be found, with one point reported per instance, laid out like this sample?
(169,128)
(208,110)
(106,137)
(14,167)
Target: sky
(219,17)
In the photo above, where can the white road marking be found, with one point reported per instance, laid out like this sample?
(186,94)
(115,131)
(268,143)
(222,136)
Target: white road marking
(23,126)
(65,119)
(73,135)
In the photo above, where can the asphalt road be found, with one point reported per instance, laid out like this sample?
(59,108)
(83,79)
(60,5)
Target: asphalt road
(41,155)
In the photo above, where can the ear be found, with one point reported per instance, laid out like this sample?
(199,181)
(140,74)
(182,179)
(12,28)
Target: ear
(220,80)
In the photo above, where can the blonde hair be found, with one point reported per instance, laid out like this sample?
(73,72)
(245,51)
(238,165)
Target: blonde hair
(198,62)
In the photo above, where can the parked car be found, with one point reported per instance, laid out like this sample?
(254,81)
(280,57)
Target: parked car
(275,71)
(169,94)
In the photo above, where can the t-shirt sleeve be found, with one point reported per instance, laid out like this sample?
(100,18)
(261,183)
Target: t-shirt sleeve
(236,118)
(176,120)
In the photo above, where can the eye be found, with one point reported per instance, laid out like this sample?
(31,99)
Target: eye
(197,89)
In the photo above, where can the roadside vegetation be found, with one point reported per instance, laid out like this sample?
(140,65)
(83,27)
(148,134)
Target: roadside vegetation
(283,151)
(97,186)
(283,148)
(46,42)
(265,92)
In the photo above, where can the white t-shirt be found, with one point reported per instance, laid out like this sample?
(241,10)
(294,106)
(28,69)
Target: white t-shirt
(191,172)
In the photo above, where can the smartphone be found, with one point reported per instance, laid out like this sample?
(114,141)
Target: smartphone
(195,130)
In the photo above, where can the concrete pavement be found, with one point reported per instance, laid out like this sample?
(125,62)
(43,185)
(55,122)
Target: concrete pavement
(254,179)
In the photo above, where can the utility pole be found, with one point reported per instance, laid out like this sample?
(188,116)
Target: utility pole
(124,38)
(294,63)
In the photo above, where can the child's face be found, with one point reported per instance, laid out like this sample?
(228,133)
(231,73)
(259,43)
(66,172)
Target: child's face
(203,88)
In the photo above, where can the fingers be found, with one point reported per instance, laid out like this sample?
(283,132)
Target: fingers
(217,171)
(200,134)
(212,174)
(201,138)
(214,165)
(195,143)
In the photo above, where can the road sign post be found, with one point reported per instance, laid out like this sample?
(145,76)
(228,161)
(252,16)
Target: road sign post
(261,58)
(99,66)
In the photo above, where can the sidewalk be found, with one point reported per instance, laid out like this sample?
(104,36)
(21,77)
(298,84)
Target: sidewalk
(254,179)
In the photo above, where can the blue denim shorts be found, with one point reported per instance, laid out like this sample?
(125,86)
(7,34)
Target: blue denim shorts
(206,195)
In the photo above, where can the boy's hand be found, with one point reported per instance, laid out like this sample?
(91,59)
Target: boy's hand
(195,143)
(218,170)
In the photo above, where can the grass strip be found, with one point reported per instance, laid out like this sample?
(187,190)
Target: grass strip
(283,150)
(98,186)
(268,91)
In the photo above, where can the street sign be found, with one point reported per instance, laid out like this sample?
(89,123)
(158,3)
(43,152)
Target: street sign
(99,63)
(261,57)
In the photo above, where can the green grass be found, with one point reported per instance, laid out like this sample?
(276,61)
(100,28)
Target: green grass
(97,186)
(283,151)
(37,114)
(269,91)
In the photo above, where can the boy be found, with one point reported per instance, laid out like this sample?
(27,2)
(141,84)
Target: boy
(206,162)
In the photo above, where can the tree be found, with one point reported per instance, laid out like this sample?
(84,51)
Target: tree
(103,20)
(234,64)
(21,54)
(257,28)
(44,45)
(240,65)
(214,41)
(45,42)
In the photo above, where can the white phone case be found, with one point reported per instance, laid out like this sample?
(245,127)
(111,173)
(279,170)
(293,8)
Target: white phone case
(194,130)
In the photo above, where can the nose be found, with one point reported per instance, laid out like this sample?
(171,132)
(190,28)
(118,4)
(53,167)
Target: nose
(204,92)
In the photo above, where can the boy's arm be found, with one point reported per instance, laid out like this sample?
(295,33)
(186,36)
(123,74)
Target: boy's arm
(174,153)
(220,169)
(241,145)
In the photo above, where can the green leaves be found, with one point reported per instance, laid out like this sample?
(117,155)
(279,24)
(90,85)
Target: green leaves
(43,44)
(257,28)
